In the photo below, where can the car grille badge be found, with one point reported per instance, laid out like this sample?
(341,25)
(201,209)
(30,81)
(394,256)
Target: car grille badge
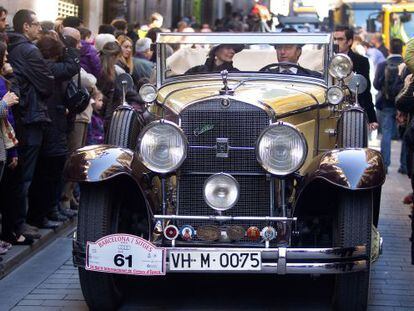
(222,147)
(203,129)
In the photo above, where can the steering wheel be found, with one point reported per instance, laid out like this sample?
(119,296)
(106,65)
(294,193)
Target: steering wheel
(273,67)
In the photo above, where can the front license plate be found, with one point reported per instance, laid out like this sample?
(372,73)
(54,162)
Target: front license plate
(215,261)
(125,254)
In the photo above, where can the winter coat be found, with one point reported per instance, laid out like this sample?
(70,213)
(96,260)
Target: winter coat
(34,79)
(55,140)
(210,66)
(95,130)
(89,59)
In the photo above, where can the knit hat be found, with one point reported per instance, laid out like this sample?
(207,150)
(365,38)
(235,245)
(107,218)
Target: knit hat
(409,55)
(102,39)
(143,45)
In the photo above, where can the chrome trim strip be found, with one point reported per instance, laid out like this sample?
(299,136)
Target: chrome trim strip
(229,172)
(230,147)
(294,268)
(223,218)
(244,38)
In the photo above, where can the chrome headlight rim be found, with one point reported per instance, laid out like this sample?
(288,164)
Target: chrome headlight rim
(144,97)
(180,132)
(338,101)
(331,70)
(304,143)
(236,183)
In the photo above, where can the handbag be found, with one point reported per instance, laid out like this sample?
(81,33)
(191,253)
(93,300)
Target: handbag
(76,96)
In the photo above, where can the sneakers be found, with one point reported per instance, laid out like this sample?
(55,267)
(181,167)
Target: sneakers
(57,216)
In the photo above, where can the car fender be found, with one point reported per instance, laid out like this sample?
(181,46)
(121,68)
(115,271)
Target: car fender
(98,163)
(351,168)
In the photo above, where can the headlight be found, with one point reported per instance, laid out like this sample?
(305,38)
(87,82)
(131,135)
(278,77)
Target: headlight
(162,146)
(335,95)
(281,149)
(341,66)
(221,191)
(148,93)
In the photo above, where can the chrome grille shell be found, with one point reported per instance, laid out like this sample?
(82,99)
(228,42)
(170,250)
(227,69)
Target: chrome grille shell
(241,123)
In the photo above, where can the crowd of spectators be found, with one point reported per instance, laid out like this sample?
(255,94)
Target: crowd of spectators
(44,65)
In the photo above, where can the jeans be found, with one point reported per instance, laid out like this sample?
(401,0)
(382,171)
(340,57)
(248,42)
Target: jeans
(388,126)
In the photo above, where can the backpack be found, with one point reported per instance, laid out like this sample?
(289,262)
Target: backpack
(392,81)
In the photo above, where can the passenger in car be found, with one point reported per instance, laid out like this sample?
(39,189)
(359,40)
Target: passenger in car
(219,58)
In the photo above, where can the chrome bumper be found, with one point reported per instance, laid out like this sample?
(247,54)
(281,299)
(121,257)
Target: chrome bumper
(280,260)
(284,260)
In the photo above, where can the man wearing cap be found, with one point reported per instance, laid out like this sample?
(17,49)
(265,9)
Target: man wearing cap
(219,58)
(143,67)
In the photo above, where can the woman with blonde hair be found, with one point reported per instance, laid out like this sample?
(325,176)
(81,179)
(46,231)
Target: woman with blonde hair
(125,61)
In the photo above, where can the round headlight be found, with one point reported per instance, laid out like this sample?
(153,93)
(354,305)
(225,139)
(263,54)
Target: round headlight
(341,66)
(162,146)
(281,149)
(335,95)
(148,93)
(221,191)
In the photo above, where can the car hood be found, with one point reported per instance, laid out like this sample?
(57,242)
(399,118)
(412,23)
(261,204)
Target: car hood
(282,96)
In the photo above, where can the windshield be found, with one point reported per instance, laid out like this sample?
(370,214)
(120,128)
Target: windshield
(286,55)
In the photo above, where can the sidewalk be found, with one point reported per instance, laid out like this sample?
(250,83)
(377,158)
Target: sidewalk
(392,286)
(18,254)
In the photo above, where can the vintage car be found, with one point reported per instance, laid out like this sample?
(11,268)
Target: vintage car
(253,170)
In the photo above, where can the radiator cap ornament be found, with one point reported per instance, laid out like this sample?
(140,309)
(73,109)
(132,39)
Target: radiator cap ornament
(208,233)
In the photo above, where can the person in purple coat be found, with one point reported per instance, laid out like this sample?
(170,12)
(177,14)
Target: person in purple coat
(89,58)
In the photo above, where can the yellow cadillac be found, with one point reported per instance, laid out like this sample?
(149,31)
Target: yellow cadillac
(251,157)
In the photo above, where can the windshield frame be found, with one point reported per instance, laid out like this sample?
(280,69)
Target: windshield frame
(237,38)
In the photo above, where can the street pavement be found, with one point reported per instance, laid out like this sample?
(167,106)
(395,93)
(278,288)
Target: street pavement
(48,281)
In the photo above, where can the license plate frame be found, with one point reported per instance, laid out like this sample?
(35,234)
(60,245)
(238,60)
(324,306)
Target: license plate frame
(214,260)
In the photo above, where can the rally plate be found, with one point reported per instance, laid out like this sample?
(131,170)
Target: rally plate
(214,261)
(125,254)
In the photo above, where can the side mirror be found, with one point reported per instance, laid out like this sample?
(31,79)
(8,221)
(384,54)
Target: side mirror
(358,84)
(125,83)
(371,27)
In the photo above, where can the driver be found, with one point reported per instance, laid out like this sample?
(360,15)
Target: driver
(219,58)
(289,54)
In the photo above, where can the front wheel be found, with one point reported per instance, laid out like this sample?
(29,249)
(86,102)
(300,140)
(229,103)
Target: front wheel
(106,208)
(353,226)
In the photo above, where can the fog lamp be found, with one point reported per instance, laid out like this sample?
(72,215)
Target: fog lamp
(221,191)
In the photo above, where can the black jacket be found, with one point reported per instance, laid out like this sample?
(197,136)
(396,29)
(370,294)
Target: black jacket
(55,139)
(361,66)
(209,66)
(379,82)
(33,77)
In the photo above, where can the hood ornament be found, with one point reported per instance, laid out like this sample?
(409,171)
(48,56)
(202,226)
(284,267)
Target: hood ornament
(225,90)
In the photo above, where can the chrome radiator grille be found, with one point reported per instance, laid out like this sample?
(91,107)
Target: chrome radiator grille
(241,124)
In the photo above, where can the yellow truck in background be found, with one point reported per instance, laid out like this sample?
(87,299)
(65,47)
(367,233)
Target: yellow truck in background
(397,22)
(393,20)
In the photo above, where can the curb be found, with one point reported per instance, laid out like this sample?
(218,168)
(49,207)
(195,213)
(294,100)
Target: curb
(18,254)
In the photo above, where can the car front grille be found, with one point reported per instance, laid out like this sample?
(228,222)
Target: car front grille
(241,124)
